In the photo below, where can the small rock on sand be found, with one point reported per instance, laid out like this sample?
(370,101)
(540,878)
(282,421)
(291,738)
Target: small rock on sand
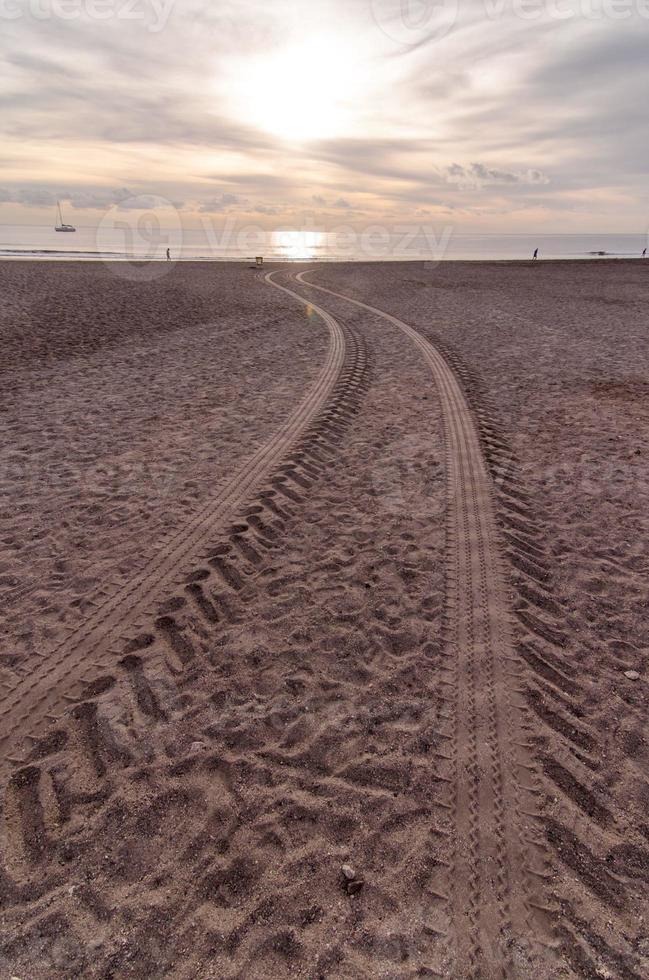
(633,675)
(351,883)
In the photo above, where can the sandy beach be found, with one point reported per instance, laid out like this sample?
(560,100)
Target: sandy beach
(324,621)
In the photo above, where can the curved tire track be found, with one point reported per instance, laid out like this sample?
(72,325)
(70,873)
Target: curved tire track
(87,648)
(497,860)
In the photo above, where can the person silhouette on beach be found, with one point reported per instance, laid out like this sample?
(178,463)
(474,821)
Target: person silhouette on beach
(644,254)
(168,256)
(536,253)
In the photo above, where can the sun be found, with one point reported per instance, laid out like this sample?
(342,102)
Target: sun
(303,92)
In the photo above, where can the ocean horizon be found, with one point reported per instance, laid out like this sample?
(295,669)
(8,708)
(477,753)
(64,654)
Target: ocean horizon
(102,243)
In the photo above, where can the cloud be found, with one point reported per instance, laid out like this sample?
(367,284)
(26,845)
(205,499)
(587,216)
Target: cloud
(216,205)
(146,202)
(477,175)
(99,199)
(28,196)
(500,114)
(92,198)
(340,204)
(85,198)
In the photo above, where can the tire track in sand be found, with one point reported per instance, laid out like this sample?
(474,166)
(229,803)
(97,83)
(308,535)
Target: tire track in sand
(90,646)
(500,921)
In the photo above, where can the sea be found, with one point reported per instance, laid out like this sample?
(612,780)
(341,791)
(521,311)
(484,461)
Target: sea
(132,239)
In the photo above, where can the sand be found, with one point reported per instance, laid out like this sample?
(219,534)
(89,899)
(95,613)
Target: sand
(303,683)
(125,404)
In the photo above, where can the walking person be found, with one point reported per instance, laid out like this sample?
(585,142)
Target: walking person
(644,254)
(536,254)
(168,256)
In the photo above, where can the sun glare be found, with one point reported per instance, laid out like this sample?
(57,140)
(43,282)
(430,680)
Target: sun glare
(302,92)
(299,244)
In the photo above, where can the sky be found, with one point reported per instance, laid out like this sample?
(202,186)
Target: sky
(490,115)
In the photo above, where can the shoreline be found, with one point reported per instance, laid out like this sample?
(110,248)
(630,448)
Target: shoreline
(321,261)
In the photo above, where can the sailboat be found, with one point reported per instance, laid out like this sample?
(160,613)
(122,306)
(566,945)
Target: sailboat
(61,226)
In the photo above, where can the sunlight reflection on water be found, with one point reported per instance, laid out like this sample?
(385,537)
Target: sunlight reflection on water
(299,244)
